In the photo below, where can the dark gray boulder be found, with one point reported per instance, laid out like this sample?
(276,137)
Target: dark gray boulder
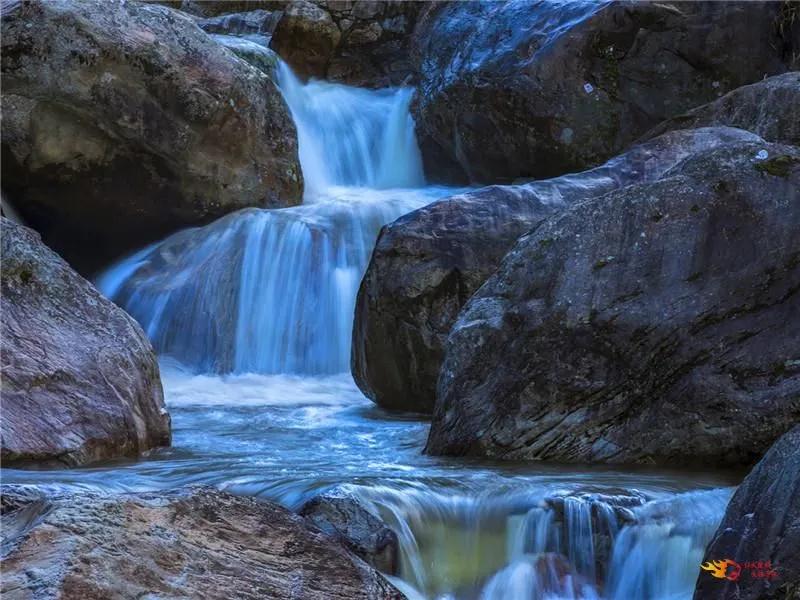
(761,525)
(196,543)
(427,264)
(342,516)
(124,121)
(80,380)
(520,89)
(656,324)
(770,108)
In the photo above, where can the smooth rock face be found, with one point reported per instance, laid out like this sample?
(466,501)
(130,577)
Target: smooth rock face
(761,523)
(363,43)
(124,121)
(343,517)
(656,324)
(80,380)
(199,543)
(427,264)
(770,108)
(521,89)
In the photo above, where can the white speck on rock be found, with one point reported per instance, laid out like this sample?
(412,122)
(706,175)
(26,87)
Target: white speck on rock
(588,87)
(762,155)
(566,135)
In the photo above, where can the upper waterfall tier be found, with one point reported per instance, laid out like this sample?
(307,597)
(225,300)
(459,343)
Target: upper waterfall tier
(351,136)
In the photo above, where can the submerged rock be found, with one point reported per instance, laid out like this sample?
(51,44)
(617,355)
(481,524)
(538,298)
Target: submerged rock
(199,543)
(770,108)
(761,525)
(345,518)
(124,121)
(520,89)
(656,324)
(428,263)
(80,380)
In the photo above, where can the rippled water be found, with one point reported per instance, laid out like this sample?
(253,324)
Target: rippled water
(463,524)
(252,317)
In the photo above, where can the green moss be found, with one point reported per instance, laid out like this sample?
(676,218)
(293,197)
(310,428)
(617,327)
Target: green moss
(695,208)
(694,276)
(545,243)
(600,264)
(779,166)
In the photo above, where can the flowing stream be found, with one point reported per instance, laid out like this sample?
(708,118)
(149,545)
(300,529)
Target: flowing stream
(252,317)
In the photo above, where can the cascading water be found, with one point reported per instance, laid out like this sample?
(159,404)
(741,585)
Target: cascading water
(252,317)
(273,291)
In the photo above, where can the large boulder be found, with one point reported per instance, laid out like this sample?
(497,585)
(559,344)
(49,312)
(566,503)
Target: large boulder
(427,264)
(364,43)
(770,108)
(80,380)
(656,324)
(344,517)
(760,532)
(199,543)
(517,89)
(123,121)
(306,38)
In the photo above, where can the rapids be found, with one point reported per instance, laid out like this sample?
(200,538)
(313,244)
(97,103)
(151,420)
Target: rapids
(252,317)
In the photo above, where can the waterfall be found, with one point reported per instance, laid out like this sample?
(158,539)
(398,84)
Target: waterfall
(547,545)
(273,291)
(352,137)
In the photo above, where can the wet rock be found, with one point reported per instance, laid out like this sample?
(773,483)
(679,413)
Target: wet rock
(593,518)
(427,264)
(256,26)
(579,81)
(770,108)
(187,544)
(124,121)
(761,525)
(80,380)
(655,324)
(261,57)
(345,518)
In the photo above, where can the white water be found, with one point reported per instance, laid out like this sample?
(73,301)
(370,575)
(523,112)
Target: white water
(273,291)
(266,299)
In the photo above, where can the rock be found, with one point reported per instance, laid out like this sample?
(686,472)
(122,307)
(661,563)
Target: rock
(761,524)
(80,380)
(770,108)
(363,43)
(124,121)
(656,324)
(588,521)
(256,26)
(261,57)
(345,518)
(208,9)
(427,264)
(306,37)
(199,543)
(580,81)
